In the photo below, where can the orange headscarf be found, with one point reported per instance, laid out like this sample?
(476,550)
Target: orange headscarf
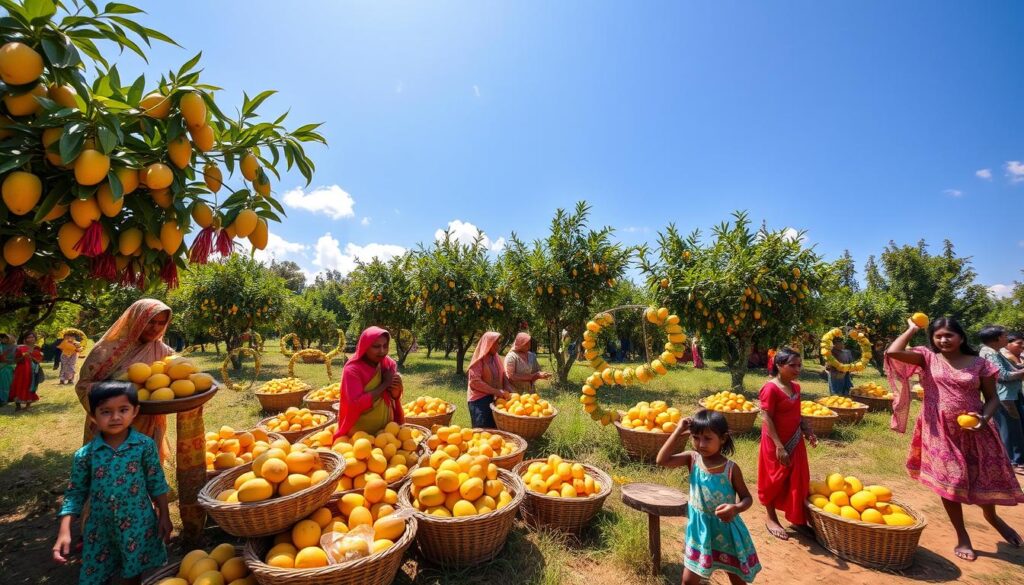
(119,348)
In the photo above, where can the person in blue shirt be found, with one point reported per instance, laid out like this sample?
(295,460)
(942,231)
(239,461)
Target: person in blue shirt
(119,474)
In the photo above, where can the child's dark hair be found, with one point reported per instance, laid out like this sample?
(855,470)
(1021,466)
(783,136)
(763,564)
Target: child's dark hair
(990,333)
(953,325)
(783,357)
(24,335)
(715,422)
(1014,336)
(104,391)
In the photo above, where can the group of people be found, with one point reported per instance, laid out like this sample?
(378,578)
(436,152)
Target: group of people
(20,370)
(962,466)
(1005,350)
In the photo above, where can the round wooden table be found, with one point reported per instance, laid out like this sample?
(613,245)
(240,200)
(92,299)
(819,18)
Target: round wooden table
(656,501)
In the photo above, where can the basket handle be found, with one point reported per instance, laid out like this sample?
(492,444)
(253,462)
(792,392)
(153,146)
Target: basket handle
(312,353)
(255,355)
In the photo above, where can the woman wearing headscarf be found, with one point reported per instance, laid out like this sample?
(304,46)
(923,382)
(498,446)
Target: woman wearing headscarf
(136,336)
(521,365)
(371,387)
(487,380)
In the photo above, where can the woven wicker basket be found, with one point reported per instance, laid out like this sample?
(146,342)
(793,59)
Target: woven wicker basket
(847,415)
(268,517)
(294,436)
(171,570)
(874,404)
(212,473)
(282,401)
(877,546)
(429,421)
(467,541)
(527,427)
(378,569)
(567,515)
(644,445)
(821,425)
(318,404)
(514,458)
(178,404)
(739,422)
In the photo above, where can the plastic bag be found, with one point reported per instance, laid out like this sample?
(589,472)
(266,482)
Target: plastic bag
(357,543)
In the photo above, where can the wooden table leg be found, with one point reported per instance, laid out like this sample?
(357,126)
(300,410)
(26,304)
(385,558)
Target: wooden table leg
(654,541)
(191,472)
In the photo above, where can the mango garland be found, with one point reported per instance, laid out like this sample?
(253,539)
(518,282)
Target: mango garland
(339,349)
(289,344)
(854,334)
(606,374)
(237,354)
(314,353)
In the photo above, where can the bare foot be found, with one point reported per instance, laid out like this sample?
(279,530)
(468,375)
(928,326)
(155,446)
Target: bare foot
(1009,534)
(776,530)
(965,551)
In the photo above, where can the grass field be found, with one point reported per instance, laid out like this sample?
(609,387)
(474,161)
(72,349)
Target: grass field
(36,446)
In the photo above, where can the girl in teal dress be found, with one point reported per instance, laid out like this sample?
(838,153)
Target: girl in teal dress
(119,473)
(716,537)
(7,347)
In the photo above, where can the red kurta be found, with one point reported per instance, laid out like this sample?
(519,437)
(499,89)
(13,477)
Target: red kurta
(23,382)
(780,486)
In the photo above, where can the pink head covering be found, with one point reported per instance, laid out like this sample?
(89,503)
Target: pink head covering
(358,372)
(485,348)
(522,343)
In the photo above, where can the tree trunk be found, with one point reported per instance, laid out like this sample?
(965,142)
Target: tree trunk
(737,352)
(430,349)
(460,356)
(216,347)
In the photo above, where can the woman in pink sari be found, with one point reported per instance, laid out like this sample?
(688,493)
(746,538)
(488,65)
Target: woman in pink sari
(521,365)
(487,380)
(137,336)
(962,466)
(371,387)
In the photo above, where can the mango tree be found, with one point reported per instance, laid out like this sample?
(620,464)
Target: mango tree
(742,285)
(559,278)
(381,293)
(103,178)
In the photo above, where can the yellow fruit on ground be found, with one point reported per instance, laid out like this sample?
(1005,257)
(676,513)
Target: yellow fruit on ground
(91,167)
(158,176)
(20,64)
(25,104)
(968,421)
(245,222)
(193,109)
(249,165)
(21,192)
(189,560)
(255,490)
(19,250)
(311,557)
(305,533)
(155,105)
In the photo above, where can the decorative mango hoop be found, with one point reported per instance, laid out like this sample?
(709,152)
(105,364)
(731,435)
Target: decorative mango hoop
(255,355)
(606,374)
(339,350)
(290,340)
(259,340)
(189,350)
(77,332)
(855,334)
(316,353)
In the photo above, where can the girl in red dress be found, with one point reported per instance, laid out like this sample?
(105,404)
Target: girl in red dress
(783,477)
(26,359)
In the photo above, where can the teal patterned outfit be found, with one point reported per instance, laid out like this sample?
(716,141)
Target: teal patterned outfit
(710,543)
(121,537)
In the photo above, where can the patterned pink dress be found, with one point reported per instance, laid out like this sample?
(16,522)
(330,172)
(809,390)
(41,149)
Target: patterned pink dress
(959,465)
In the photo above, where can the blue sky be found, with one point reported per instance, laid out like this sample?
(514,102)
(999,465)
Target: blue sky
(858,122)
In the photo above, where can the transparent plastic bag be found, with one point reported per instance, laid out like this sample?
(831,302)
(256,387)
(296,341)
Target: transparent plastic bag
(355,544)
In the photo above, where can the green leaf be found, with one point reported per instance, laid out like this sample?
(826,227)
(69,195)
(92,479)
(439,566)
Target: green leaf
(116,188)
(14,162)
(17,12)
(72,140)
(135,91)
(54,52)
(250,105)
(39,11)
(117,8)
(57,192)
(107,139)
(161,37)
(190,64)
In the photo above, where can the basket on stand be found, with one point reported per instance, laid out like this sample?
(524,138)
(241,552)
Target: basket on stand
(444,419)
(171,570)
(739,422)
(821,426)
(469,540)
(527,427)
(847,415)
(567,515)
(874,404)
(212,473)
(293,436)
(268,517)
(376,569)
(644,445)
(878,546)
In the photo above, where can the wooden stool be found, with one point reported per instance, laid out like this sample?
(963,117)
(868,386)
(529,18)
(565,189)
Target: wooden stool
(656,501)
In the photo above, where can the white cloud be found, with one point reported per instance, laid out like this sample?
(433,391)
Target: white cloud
(364,221)
(953,192)
(1000,291)
(332,201)
(793,234)
(466,233)
(329,255)
(277,248)
(1015,170)
(476,90)
(984,174)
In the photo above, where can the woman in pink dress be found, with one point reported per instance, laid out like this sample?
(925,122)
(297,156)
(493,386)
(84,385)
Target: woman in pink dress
(962,466)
